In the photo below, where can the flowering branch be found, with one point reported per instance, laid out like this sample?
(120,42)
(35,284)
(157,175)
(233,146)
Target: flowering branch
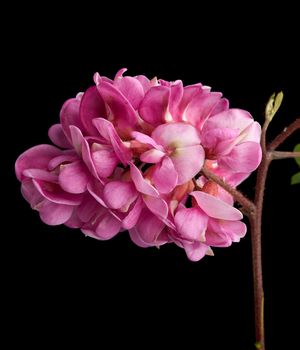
(284,155)
(286,132)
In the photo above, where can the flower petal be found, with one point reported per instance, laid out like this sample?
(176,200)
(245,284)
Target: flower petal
(191,223)
(105,161)
(165,176)
(36,157)
(69,115)
(196,251)
(118,194)
(157,206)
(142,185)
(55,214)
(154,106)
(73,177)
(58,137)
(131,219)
(188,161)
(152,156)
(215,208)
(131,88)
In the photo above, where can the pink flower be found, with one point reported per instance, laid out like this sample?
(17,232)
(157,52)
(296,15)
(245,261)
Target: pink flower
(129,157)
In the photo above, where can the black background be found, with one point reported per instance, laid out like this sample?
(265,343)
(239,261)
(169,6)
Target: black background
(62,288)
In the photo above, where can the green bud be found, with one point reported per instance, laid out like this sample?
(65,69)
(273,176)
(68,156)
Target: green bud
(273,105)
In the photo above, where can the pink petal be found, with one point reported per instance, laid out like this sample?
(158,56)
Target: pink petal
(176,95)
(69,115)
(188,93)
(96,190)
(131,219)
(107,227)
(132,89)
(221,106)
(219,141)
(215,208)
(243,158)
(201,107)
(73,178)
(55,194)
(69,157)
(188,161)
(31,194)
(118,194)
(108,132)
(196,251)
(154,106)
(143,138)
(92,106)
(74,221)
(251,133)
(55,214)
(41,174)
(176,135)
(88,208)
(191,223)
(36,157)
(105,161)
(234,229)
(157,206)
(149,227)
(165,176)
(121,111)
(145,82)
(142,185)
(152,156)
(58,137)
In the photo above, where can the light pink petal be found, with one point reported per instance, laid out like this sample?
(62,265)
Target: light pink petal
(152,156)
(92,106)
(176,135)
(120,110)
(176,95)
(55,214)
(149,227)
(232,119)
(142,185)
(157,206)
(165,176)
(69,157)
(58,137)
(215,208)
(191,223)
(105,161)
(234,229)
(73,177)
(201,107)
(221,106)
(188,161)
(188,93)
(196,251)
(108,131)
(55,194)
(154,106)
(219,141)
(131,219)
(36,157)
(69,115)
(131,88)
(251,133)
(243,158)
(118,194)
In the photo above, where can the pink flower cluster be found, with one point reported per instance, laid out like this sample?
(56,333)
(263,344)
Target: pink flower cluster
(128,156)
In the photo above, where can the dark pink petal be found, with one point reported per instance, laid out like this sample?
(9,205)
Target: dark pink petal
(131,219)
(69,115)
(64,158)
(120,110)
(243,158)
(221,106)
(107,227)
(55,214)
(36,157)
(188,161)
(191,223)
(201,107)
(196,251)
(149,227)
(74,177)
(157,206)
(88,208)
(92,106)
(176,135)
(31,194)
(40,174)
(131,88)
(176,95)
(188,93)
(55,194)
(215,208)
(142,185)
(145,82)
(74,221)
(58,137)
(108,132)
(165,176)
(96,190)
(118,194)
(154,106)
(105,161)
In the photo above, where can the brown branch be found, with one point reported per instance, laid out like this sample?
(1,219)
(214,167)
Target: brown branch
(284,155)
(237,195)
(286,132)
